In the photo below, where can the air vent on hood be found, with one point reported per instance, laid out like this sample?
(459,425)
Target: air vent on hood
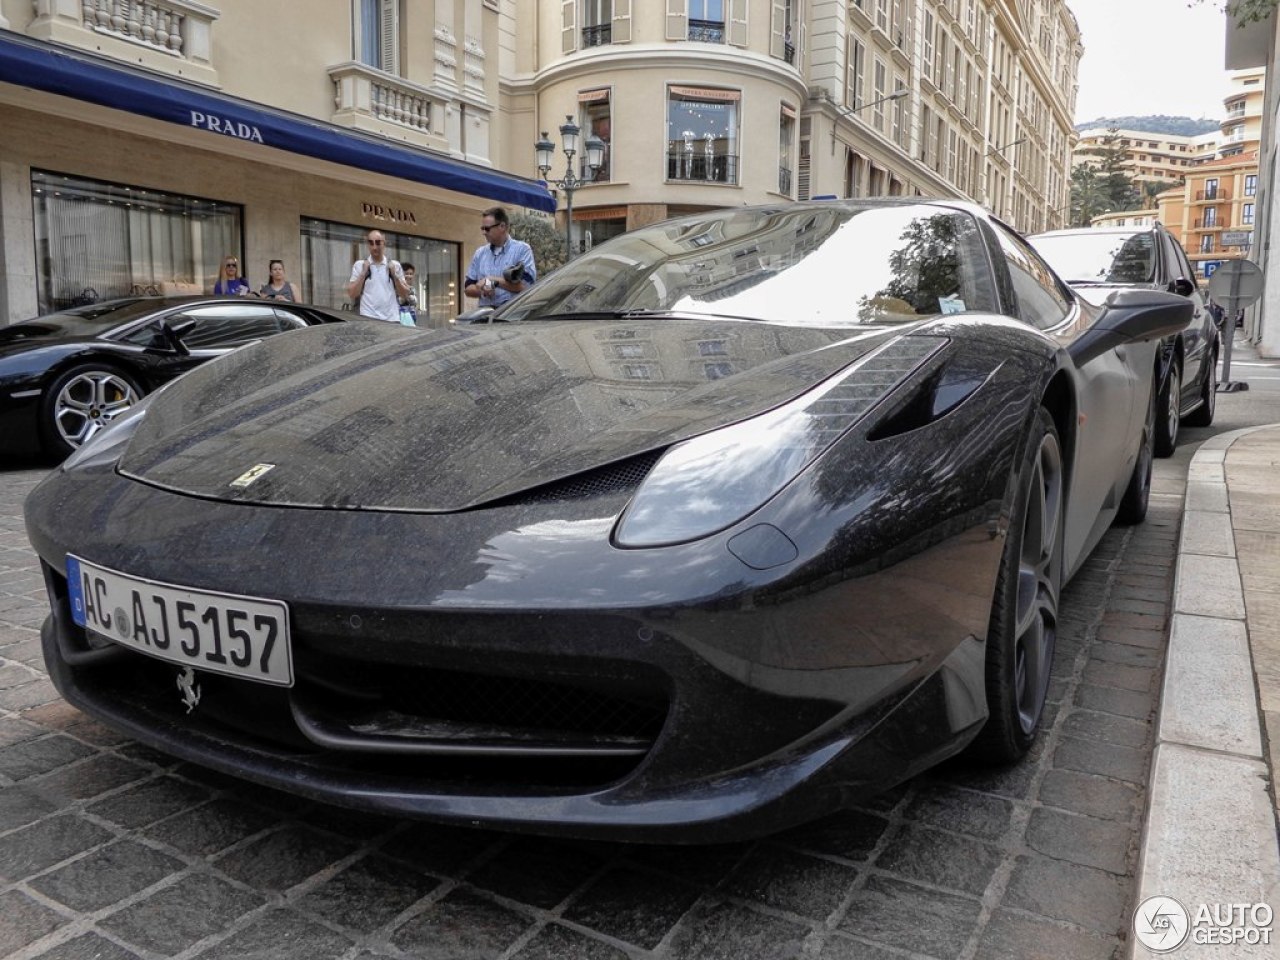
(621,476)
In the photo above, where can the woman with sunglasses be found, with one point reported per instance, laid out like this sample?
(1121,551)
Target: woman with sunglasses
(229,282)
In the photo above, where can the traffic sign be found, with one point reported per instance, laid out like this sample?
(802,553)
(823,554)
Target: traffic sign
(1236,284)
(1209,266)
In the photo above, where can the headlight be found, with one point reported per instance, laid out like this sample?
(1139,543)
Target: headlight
(710,482)
(108,444)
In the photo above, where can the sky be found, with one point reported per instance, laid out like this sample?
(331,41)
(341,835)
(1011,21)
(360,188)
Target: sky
(1151,57)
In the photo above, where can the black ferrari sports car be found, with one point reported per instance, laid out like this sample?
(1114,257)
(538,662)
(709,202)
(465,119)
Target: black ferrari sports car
(728,521)
(64,376)
(1099,261)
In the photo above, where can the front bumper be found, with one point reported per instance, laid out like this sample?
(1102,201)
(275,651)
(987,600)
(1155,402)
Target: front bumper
(673,694)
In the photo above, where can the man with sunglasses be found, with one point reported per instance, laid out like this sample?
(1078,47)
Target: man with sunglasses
(377,284)
(503,266)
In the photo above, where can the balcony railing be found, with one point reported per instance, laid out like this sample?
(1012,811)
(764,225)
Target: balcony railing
(713,169)
(180,29)
(367,99)
(1220,223)
(789,52)
(784,180)
(1218,194)
(707,31)
(597,36)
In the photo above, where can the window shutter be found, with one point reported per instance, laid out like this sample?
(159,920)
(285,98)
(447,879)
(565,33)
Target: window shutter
(677,20)
(621,32)
(802,172)
(568,26)
(777,29)
(738,23)
(388,47)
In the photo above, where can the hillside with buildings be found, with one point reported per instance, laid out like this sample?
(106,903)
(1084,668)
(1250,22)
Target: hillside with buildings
(1157,123)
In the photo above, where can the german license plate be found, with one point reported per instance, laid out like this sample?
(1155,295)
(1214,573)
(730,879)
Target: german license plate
(245,637)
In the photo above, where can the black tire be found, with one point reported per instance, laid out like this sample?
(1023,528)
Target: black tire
(1202,416)
(1024,612)
(1168,412)
(81,401)
(1133,505)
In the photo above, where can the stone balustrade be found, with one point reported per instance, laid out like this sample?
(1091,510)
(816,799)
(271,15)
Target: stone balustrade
(373,100)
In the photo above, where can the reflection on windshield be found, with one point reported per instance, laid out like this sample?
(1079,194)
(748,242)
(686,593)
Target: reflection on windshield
(1101,257)
(803,264)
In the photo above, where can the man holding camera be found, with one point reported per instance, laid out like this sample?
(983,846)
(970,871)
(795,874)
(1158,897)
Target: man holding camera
(502,267)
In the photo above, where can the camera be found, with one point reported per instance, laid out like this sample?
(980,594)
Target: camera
(513,273)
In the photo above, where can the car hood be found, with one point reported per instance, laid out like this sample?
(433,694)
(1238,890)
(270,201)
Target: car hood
(378,416)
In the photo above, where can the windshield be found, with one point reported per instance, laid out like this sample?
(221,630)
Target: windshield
(801,264)
(1101,257)
(88,321)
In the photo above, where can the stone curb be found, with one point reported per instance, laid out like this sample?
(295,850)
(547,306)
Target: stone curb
(1210,833)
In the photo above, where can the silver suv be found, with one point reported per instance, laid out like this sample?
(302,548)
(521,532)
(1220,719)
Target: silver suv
(1097,262)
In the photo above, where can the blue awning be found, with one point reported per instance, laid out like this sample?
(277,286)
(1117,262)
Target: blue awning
(41,66)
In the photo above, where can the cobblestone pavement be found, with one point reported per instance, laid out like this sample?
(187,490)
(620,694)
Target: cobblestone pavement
(110,850)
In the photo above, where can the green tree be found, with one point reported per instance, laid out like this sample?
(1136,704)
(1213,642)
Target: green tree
(540,233)
(1088,198)
(1246,11)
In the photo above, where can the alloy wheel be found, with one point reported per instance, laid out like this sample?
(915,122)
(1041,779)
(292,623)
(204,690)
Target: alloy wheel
(88,402)
(1039,582)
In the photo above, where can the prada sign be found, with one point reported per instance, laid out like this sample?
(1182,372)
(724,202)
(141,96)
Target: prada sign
(387,214)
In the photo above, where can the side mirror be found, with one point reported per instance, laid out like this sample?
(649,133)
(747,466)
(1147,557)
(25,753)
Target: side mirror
(1131,316)
(1182,287)
(172,332)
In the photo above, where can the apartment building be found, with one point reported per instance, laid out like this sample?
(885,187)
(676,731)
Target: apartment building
(1214,212)
(143,141)
(146,139)
(704,103)
(1149,157)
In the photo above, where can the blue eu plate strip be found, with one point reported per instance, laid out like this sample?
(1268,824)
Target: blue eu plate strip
(75,588)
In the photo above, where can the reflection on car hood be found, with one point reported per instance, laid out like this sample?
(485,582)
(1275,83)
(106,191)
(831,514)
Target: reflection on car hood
(376,416)
(1097,293)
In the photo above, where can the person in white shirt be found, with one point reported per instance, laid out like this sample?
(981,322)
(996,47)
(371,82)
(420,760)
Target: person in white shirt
(377,283)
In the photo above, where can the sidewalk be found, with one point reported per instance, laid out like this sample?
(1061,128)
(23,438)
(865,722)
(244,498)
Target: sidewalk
(1211,834)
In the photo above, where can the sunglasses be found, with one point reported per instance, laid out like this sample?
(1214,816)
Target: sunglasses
(484,229)
(376,243)
(231,263)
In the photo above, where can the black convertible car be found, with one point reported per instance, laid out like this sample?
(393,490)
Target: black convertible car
(64,376)
(728,521)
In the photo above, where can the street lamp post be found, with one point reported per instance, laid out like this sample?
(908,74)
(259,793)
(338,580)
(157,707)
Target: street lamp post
(570,182)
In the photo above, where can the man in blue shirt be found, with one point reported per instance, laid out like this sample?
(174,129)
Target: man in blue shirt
(503,257)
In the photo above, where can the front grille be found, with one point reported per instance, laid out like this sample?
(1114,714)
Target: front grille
(353,717)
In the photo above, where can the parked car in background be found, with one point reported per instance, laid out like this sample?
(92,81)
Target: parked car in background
(1099,261)
(66,375)
(730,520)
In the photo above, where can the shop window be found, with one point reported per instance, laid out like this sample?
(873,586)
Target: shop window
(702,134)
(329,250)
(97,240)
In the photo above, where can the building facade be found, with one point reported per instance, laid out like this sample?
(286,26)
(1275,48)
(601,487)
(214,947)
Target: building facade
(144,141)
(1214,212)
(706,103)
